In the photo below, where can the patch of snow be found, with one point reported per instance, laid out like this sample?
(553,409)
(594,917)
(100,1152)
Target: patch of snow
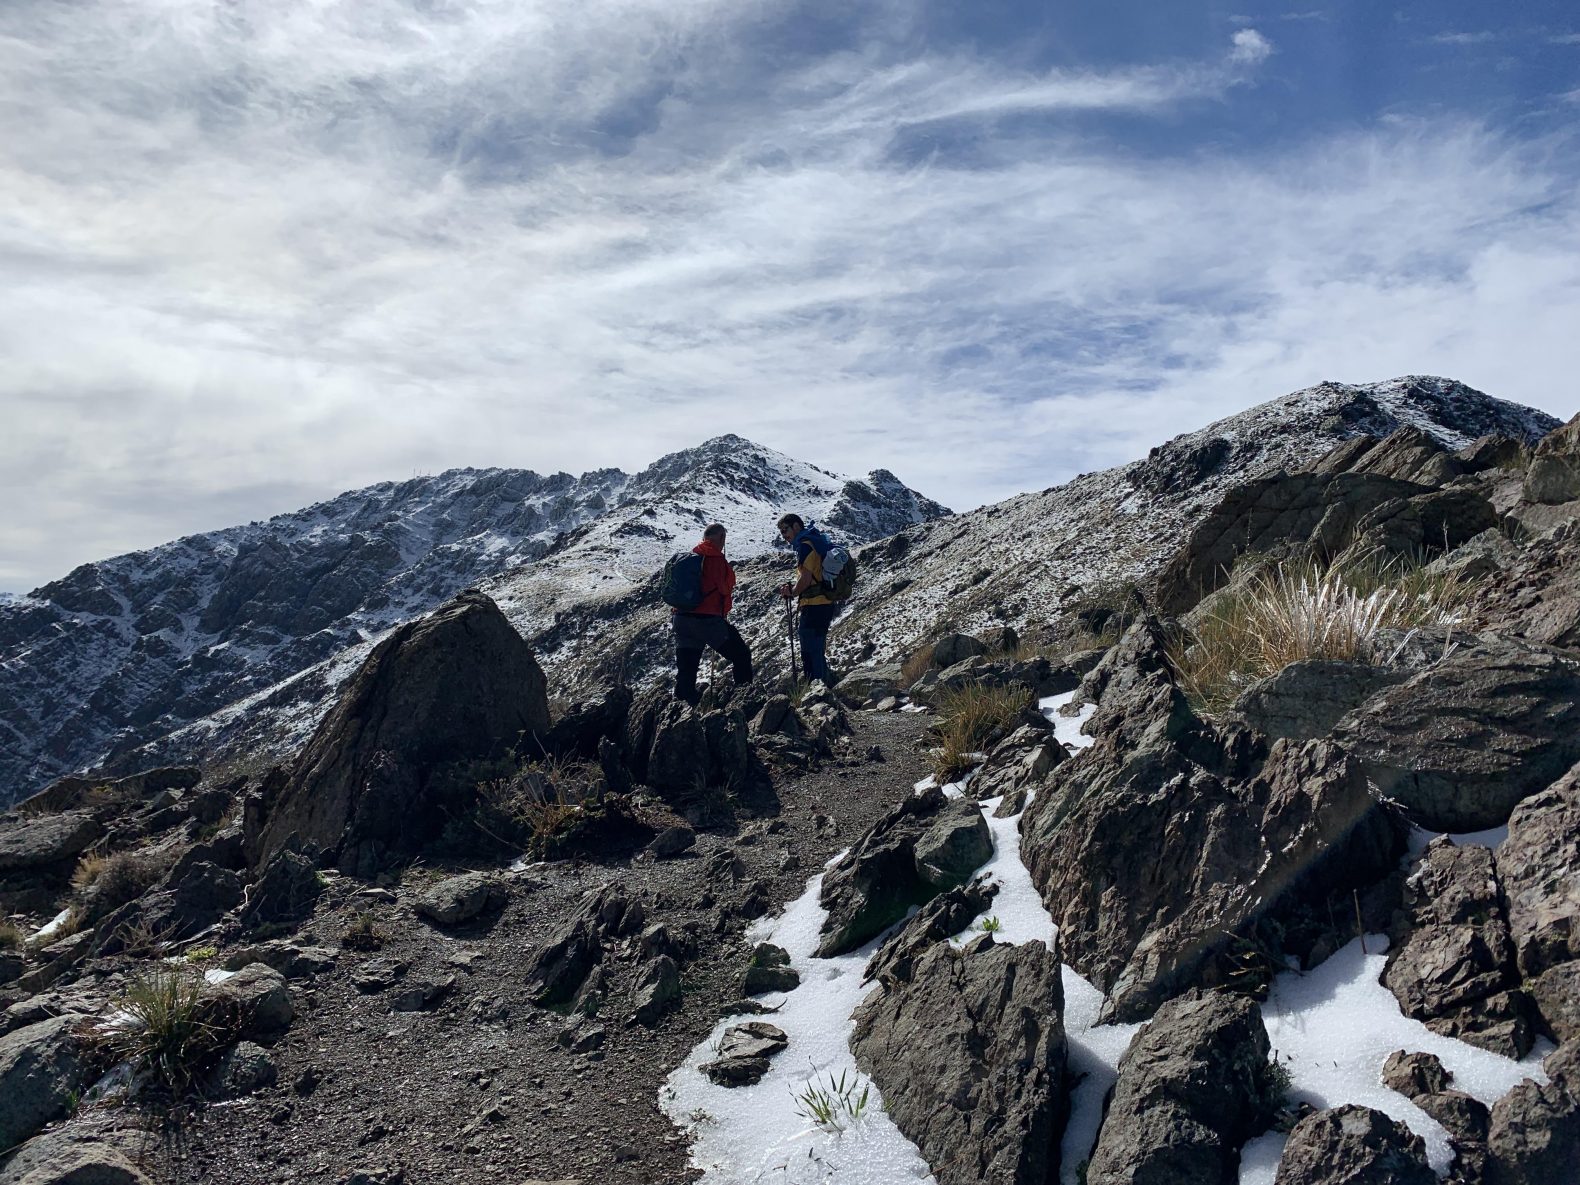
(45,934)
(215,975)
(1335,1025)
(753,1134)
(1067,729)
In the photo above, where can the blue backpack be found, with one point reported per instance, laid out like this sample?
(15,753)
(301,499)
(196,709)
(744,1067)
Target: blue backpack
(683,581)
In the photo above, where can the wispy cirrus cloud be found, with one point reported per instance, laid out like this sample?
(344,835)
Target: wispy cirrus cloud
(282,250)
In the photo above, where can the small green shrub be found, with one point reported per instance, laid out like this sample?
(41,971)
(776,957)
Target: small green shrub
(833,1104)
(990,925)
(971,719)
(167,1029)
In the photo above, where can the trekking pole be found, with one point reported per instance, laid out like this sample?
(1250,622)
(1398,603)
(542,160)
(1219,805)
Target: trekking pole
(790,634)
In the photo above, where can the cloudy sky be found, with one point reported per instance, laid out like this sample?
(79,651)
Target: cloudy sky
(256,252)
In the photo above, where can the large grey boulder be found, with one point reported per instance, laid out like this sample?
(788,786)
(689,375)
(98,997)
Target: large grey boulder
(1423,524)
(868,685)
(954,846)
(62,1158)
(1306,699)
(1194,1085)
(1535,1134)
(1539,867)
(1315,510)
(1460,744)
(457,686)
(925,845)
(1353,1145)
(41,1072)
(459,899)
(256,1002)
(1167,838)
(29,842)
(1553,477)
(969,1052)
(954,648)
(1556,995)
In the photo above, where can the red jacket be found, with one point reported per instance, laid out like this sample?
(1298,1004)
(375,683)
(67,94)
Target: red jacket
(718,581)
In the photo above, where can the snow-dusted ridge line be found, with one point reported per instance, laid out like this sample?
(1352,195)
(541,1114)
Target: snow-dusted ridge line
(207,633)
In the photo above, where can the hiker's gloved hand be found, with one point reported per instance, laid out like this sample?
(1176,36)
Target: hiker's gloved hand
(787,590)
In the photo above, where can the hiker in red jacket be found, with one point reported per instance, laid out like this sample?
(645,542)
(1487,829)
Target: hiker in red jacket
(706,625)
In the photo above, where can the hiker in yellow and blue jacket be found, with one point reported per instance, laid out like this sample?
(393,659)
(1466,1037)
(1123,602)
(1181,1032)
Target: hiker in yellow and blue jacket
(813,597)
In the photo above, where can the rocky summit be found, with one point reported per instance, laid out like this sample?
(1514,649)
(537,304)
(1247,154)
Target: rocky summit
(1214,820)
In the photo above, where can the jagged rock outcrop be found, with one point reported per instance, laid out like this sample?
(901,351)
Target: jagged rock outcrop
(1422,1079)
(1534,1138)
(1232,834)
(458,686)
(1194,1085)
(1553,477)
(926,845)
(1459,744)
(41,1071)
(1456,970)
(1539,870)
(941,918)
(1352,1145)
(969,1052)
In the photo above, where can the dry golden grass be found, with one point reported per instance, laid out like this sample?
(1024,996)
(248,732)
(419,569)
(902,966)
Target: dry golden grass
(914,667)
(105,883)
(971,719)
(1286,614)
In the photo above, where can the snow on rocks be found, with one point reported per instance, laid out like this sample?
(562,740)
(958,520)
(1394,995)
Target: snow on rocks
(1334,1026)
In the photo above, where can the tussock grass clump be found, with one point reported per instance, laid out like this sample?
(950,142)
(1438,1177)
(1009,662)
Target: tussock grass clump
(364,933)
(105,883)
(970,720)
(539,807)
(12,936)
(1286,614)
(166,1028)
(917,665)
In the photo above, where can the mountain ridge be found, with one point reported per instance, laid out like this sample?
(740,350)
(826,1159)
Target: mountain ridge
(122,651)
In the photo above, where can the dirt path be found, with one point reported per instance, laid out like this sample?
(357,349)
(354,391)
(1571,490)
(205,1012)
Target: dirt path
(480,1088)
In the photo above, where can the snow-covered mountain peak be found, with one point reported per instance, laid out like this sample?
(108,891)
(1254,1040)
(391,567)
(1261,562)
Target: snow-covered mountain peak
(123,650)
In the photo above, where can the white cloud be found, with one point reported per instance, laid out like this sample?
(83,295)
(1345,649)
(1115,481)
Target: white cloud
(272,254)
(1250,47)
(1480,37)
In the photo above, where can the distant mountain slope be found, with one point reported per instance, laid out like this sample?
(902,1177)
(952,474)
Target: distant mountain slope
(124,651)
(1023,561)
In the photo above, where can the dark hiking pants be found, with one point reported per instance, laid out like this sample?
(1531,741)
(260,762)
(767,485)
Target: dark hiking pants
(693,631)
(812,633)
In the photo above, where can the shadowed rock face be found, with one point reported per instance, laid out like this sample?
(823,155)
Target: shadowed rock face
(1353,1145)
(460,685)
(1167,837)
(969,1052)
